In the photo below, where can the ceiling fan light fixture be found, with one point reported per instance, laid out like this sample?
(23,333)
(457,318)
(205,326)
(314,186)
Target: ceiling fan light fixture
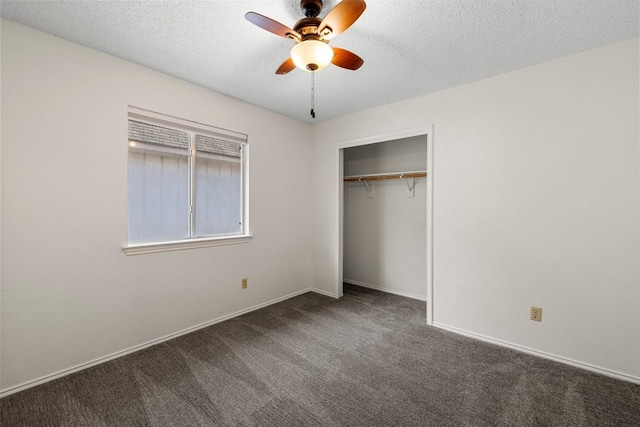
(311,55)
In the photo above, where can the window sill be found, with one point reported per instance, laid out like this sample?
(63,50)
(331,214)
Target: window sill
(177,245)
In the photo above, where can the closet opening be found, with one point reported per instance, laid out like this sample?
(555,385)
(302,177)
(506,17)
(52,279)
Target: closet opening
(385,216)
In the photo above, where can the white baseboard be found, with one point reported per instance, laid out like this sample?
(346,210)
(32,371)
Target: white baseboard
(543,354)
(46,378)
(387,290)
(327,293)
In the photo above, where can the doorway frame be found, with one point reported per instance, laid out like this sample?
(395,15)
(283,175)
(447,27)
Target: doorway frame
(426,131)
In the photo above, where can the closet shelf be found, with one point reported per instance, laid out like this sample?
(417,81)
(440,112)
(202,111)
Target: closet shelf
(408,175)
(381,176)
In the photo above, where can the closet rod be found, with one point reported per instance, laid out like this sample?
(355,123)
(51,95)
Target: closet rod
(377,177)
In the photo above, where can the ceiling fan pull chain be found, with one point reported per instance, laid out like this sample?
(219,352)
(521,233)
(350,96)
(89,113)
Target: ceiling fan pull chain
(313,102)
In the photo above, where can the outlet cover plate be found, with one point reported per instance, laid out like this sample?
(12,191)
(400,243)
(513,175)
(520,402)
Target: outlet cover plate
(536,314)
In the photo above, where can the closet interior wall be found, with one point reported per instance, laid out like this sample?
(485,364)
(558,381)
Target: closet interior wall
(384,228)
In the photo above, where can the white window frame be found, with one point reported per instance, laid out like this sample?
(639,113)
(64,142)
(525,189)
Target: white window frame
(192,242)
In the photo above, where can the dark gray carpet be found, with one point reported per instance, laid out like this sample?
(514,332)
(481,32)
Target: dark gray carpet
(364,360)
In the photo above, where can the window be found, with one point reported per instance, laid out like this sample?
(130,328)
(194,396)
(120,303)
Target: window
(186,183)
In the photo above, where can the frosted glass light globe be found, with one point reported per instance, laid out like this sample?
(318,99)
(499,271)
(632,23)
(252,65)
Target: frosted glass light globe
(311,55)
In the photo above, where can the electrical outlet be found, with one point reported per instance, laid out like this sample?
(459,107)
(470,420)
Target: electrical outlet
(536,314)
(244,283)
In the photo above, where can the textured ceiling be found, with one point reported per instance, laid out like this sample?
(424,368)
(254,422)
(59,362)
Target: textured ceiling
(410,48)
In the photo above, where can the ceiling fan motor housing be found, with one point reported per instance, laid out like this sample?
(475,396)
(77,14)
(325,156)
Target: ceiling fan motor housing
(308,28)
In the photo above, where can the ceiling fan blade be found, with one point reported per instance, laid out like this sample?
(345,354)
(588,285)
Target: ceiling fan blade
(340,18)
(286,66)
(272,26)
(345,59)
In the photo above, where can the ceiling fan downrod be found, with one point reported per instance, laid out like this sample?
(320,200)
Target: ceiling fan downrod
(311,8)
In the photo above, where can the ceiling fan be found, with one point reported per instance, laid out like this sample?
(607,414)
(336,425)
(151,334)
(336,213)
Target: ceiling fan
(312,35)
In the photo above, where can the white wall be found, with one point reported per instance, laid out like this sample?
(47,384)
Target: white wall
(385,236)
(536,202)
(69,293)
